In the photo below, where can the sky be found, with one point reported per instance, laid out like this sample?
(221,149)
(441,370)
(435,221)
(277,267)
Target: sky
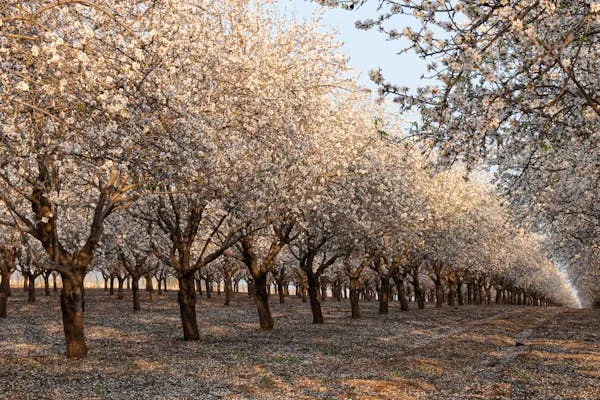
(366,49)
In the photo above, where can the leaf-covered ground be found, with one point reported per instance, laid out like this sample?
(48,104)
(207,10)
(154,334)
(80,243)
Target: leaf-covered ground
(452,353)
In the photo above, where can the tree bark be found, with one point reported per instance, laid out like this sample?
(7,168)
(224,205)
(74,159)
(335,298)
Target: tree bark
(261,299)
(451,292)
(120,293)
(354,294)
(31,290)
(459,293)
(135,290)
(280,292)
(72,305)
(419,292)
(384,295)
(402,298)
(46,284)
(149,287)
(228,287)
(111,289)
(208,286)
(4,288)
(313,294)
(186,297)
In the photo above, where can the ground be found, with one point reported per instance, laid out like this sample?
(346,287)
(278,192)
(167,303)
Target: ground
(451,353)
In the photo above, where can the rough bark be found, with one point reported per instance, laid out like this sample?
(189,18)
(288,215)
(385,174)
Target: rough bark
(228,287)
(384,295)
(313,294)
(4,288)
(120,293)
(186,297)
(459,293)
(31,290)
(419,292)
(280,292)
(261,300)
(46,284)
(111,290)
(72,305)
(135,291)
(354,294)
(149,286)
(402,298)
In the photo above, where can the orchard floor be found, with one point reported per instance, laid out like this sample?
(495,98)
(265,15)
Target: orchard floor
(449,353)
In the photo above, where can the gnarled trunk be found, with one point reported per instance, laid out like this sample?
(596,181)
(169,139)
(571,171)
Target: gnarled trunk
(149,287)
(384,294)
(354,294)
(111,289)
(46,284)
(135,290)
(4,289)
(72,304)
(186,297)
(459,293)
(31,290)
(208,286)
(451,292)
(402,298)
(280,291)
(228,287)
(261,299)
(313,294)
(439,293)
(120,293)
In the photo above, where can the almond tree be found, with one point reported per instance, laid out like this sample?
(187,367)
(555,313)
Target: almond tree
(63,106)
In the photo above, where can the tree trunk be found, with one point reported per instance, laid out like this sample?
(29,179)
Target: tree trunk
(4,287)
(31,290)
(384,295)
(198,286)
(72,305)
(228,287)
(111,286)
(186,297)
(149,287)
(46,284)
(459,293)
(313,294)
(165,285)
(280,292)
(402,298)
(135,290)
(261,299)
(208,285)
(354,294)
(106,284)
(54,286)
(451,292)
(25,284)
(158,285)
(120,293)
(419,293)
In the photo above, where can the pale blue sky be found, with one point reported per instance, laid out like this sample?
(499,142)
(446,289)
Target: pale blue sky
(366,49)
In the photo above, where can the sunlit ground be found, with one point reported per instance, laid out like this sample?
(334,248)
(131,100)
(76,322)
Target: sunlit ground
(464,353)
